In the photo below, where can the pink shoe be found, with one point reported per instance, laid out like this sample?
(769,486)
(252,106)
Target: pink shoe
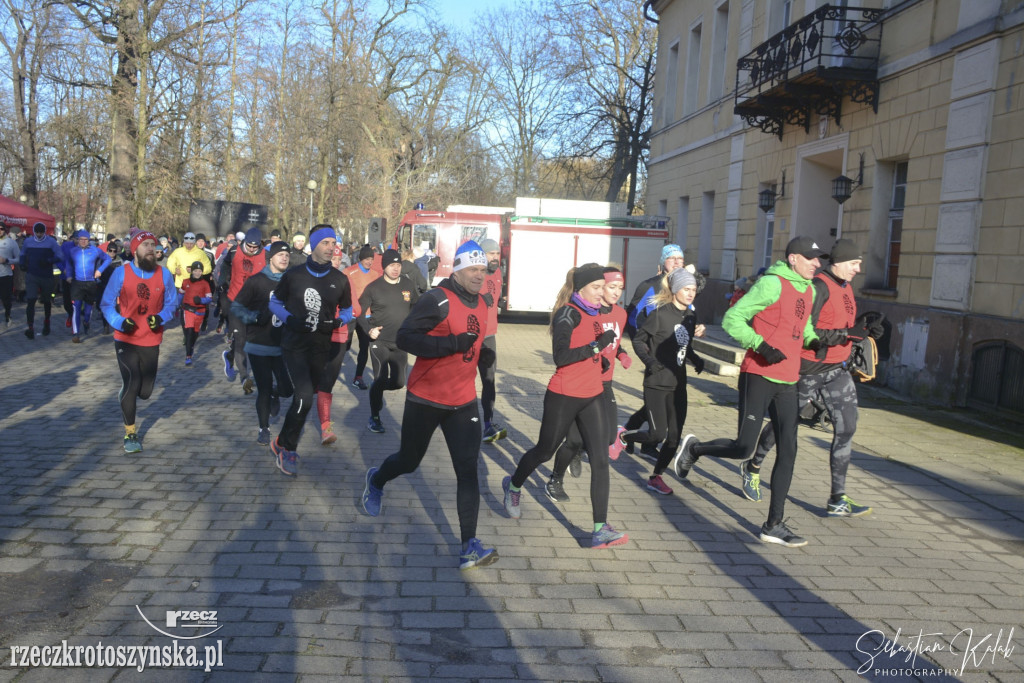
(617,445)
(656,484)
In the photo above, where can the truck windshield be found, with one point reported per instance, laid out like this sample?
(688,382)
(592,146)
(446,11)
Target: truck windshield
(424,233)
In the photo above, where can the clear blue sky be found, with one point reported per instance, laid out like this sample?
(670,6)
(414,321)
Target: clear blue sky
(461,13)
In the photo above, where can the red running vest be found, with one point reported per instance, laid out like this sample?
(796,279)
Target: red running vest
(492,286)
(451,380)
(583,378)
(139,299)
(244,267)
(838,313)
(782,326)
(613,320)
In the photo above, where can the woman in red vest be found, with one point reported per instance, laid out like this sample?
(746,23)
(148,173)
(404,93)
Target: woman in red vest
(575,395)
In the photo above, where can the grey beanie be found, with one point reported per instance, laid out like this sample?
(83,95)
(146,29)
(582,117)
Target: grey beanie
(680,278)
(488,245)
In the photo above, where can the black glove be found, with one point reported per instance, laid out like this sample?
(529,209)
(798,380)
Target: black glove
(605,363)
(770,354)
(197,300)
(876,329)
(698,364)
(606,338)
(857,332)
(263,318)
(464,341)
(328,326)
(487,357)
(155,322)
(297,324)
(129,326)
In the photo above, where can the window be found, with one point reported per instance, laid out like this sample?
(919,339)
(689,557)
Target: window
(899,195)
(668,106)
(769,236)
(707,224)
(424,233)
(692,72)
(477,233)
(719,46)
(782,13)
(683,223)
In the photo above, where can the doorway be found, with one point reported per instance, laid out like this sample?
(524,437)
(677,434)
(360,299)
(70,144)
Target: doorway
(815,213)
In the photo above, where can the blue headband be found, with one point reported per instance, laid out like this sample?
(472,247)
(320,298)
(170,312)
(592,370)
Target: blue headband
(321,234)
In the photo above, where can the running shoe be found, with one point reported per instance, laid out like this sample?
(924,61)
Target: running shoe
(371,494)
(229,371)
(751,482)
(618,444)
(658,485)
(327,435)
(576,465)
(132,443)
(375,425)
(75,339)
(275,405)
(606,536)
(67,323)
(188,360)
(263,438)
(287,461)
(511,498)
(248,385)
(495,432)
(685,458)
(30,333)
(845,507)
(46,327)
(475,555)
(781,534)
(359,383)
(554,491)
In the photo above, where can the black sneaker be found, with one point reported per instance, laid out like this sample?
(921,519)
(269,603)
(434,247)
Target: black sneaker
(275,405)
(46,328)
(554,491)
(359,383)
(781,534)
(30,333)
(576,465)
(685,457)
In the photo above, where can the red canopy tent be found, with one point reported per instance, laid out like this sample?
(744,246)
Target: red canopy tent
(22,216)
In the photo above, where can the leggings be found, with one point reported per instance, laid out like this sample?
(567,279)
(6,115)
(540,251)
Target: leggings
(560,412)
(666,415)
(138,375)
(364,349)
(6,291)
(573,444)
(390,365)
(305,367)
(190,322)
(335,357)
(265,369)
(758,394)
(37,288)
(236,354)
(462,433)
(488,392)
(839,392)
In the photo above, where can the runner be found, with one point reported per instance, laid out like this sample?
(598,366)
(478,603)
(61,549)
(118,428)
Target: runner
(359,275)
(568,456)
(240,263)
(138,300)
(445,332)
(312,301)
(9,253)
(263,338)
(574,395)
(329,376)
(492,295)
(195,301)
(834,316)
(773,322)
(385,304)
(83,270)
(39,254)
(664,345)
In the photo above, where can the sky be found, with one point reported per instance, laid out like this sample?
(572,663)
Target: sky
(460,13)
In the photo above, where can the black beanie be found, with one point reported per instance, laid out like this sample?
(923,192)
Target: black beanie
(585,274)
(365,252)
(390,256)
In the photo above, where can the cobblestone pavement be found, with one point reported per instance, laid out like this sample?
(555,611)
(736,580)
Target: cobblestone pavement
(306,586)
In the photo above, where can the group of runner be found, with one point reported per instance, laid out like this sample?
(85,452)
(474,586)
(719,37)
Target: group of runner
(291,324)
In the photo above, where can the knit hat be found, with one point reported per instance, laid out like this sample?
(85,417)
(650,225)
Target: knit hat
(390,256)
(320,234)
(845,250)
(189,237)
(671,251)
(585,274)
(239,235)
(39,227)
(196,264)
(469,254)
(140,237)
(366,251)
(488,245)
(253,236)
(680,278)
(276,248)
(79,234)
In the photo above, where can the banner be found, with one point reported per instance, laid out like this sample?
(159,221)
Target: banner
(216,218)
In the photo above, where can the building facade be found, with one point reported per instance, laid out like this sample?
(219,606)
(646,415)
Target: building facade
(916,108)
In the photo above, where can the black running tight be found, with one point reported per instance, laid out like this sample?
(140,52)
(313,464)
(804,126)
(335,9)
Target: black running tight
(265,369)
(138,366)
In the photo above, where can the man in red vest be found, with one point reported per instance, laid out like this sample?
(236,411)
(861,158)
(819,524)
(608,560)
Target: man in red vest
(445,331)
(139,298)
(240,263)
(773,321)
(824,373)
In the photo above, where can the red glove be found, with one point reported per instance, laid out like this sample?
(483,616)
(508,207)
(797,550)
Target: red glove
(625,360)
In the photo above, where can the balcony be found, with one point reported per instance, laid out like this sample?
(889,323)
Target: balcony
(810,67)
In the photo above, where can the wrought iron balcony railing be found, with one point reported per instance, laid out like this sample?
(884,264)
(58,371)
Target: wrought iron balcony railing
(809,67)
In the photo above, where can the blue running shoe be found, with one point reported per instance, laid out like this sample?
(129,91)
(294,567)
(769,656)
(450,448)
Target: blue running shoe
(375,425)
(475,555)
(263,438)
(132,443)
(188,361)
(606,536)
(287,461)
(229,371)
(371,495)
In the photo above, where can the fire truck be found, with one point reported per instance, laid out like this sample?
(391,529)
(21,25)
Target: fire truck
(540,240)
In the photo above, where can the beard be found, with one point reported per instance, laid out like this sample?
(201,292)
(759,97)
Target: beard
(146,263)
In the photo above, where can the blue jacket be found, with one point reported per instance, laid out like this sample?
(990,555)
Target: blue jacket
(82,263)
(39,256)
(108,304)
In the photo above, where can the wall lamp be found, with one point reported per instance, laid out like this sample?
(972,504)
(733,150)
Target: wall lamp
(766,198)
(842,187)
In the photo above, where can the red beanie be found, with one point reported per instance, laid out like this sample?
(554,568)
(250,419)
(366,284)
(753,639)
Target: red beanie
(140,237)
